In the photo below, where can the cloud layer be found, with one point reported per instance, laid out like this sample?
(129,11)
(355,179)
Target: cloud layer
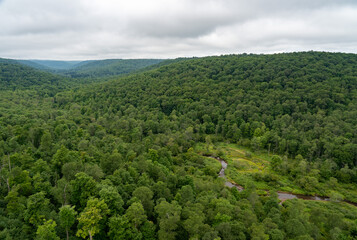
(98,29)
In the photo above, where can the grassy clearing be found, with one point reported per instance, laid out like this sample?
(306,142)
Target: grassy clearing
(246,167)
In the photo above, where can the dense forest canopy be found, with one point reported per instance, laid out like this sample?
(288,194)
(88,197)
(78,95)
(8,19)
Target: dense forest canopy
(291,103)
(50,64)
(124,159)
(110,67)
(95,68)
(14,75)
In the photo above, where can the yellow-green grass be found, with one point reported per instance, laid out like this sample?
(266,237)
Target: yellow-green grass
(243,164)
(246,166)
(261,161)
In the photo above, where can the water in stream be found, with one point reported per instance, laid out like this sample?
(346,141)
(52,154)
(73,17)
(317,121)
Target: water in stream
(281,195)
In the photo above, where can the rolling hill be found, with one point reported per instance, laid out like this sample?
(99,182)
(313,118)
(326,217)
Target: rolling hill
(14,75)
(298,103)
(109,67)
(50,65)
(136,157)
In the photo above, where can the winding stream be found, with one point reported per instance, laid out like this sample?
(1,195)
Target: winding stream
(281,195)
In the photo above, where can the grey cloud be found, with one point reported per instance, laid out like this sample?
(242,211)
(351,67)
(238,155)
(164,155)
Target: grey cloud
(80,29)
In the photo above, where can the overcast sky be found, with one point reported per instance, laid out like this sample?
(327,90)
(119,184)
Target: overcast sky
(99,29)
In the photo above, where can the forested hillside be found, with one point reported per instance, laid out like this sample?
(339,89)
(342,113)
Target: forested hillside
(35,65)
(290,103)
(95,69)
(125,159)
(50,65)
(109,67)
(14,75)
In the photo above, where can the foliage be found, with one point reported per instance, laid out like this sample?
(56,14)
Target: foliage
(47,231)
(127,155)
(109,67)
(91,218)
(67,217)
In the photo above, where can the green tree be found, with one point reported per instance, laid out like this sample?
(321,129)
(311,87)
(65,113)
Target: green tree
(47,231)
(15,205)
(145,195)
(112,198)
(22,180)
(83,187)
(148,230)
(60,158)
(276,162)
(61,192)
(112,162)
(295,228)
(153,155)
(91,219)
(136,214)
(194,220)
(121,229)
(169,218)
(258,232)
(67,216)
(37,209)
(187,194)
(46,147)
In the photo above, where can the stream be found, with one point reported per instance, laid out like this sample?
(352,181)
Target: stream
(281,195)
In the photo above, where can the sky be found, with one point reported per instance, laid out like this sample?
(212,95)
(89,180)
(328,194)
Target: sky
(102,29)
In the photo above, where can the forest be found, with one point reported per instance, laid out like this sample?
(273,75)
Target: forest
(94,68)
(84,156)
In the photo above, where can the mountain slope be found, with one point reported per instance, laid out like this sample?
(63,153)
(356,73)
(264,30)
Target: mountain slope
(109,67)
(32,64)
(14,75)
(299,103)
(58,65)
(97,68)
(50,65)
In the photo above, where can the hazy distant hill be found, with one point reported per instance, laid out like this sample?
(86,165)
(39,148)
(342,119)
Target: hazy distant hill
(14,75)
(50,64)
(96,68)
(34,65)
(24,74)
(109,67)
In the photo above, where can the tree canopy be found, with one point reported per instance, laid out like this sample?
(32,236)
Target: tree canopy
(127,158)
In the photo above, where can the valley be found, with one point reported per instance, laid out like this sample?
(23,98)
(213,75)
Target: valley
(129,151)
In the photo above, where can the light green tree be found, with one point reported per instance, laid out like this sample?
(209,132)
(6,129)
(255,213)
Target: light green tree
(47,231)
(67,216)
(90,218)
